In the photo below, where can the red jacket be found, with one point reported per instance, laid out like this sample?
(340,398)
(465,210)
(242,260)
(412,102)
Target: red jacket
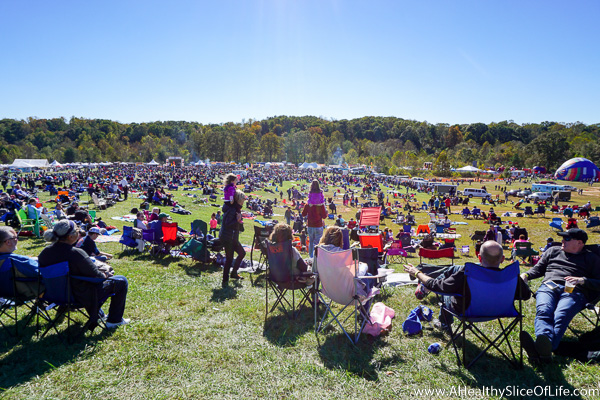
(316,214)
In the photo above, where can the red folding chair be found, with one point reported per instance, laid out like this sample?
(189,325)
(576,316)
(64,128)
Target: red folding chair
(435,254)
(375,241)
(169,230)
(369,216)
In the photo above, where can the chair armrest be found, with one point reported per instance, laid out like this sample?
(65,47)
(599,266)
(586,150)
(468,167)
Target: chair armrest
(89,279)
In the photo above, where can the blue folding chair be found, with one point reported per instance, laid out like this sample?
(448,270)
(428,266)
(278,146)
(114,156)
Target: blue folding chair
(14,300)
(556,223)
(127,240)
(58,296)
(492,298)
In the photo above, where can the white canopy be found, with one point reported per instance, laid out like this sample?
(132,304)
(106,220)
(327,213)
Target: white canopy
(309,165)
(152,162)
(468,168)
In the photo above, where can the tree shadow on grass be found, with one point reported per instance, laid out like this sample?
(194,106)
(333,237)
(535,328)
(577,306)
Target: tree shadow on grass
(26,358)
(337,352)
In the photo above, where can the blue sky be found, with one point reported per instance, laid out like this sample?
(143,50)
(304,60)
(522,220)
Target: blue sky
(216,61)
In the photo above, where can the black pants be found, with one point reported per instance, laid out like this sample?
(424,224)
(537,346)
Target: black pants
(232,246)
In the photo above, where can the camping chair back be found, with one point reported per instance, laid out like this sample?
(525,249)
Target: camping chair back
(407,228)
(57,284)
(434,254)
(7,287)
(369,256)
(169,230)
(367,240)
(523,247)
(346,238)
(369,216)
(261,233)
(279,257)
(194,248)
(476,212)
(127,237)
(466,212)
(336,272)
(199,228)
(519,232)
(422,229)
(492,291)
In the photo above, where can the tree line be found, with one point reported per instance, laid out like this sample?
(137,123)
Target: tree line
(386,142)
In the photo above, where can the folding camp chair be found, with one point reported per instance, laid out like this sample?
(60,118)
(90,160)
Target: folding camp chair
(556,223)
(369,217)
(261,233)
(492,298)
(406,241)
(422,229)
(593,222)
(466,213)
(407,228)
(477,235)
(540,210)
(476,213)
(196,249)
(169,231)
(127,240)
(373,240)
(339,281)
(528,211)
(524,250)
(396,253)
(58,296)
(435,254)
(13,299)
(282,278)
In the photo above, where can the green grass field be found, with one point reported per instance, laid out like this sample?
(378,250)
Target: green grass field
(189,338)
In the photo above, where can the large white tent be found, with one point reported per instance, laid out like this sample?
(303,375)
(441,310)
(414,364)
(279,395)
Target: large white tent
(309,165)
(30,163)
(468,168)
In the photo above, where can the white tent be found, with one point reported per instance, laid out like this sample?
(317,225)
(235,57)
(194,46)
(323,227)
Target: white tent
(309,165)
(56,164)
(468,168)
(29,163)
(152,162)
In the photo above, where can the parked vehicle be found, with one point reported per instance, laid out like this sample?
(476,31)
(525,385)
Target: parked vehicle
(524,193)
(540,196)
(472,192)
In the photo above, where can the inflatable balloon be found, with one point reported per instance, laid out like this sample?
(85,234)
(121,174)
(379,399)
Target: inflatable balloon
(577,169)
(539,170)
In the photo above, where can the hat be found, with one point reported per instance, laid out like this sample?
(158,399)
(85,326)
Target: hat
(550,239)
(94,230)
(163,215)
(577,234)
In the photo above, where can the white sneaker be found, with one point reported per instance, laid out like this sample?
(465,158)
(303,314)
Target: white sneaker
(114,325)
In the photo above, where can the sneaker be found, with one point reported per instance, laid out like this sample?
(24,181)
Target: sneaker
(543,345)
(236,276)
(421,292)
(114,325)
(6,303)
(529,346)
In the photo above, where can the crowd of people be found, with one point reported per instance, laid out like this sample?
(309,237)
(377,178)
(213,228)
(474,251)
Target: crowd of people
(307,206)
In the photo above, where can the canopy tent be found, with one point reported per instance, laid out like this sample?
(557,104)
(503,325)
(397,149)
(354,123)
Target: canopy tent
(468,168)
(309,165)
(29,163)
(152,162)
(56,164)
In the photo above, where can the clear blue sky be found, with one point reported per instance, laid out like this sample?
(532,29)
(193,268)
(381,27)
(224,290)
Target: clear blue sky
(224,60)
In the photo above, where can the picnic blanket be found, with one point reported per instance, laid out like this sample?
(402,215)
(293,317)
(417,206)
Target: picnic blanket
(126,218)
(107,239)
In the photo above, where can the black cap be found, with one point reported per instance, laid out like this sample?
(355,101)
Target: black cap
(577,234)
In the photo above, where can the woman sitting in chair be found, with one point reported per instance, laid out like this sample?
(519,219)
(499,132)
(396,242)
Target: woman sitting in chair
(63,236)
(283,232)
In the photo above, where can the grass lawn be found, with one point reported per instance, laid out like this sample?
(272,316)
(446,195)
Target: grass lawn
(189,338)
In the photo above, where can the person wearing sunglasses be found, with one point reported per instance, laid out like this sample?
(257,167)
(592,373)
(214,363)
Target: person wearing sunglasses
(25,267)
(570,263)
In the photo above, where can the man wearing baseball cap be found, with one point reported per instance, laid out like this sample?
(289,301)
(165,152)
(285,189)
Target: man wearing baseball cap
(555,308)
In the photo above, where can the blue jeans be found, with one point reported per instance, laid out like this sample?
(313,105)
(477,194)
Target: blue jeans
(555,310)
(118,285)
(314,235)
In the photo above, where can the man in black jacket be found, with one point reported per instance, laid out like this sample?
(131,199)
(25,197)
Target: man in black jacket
(230,237)
(555,307)
(452,280)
